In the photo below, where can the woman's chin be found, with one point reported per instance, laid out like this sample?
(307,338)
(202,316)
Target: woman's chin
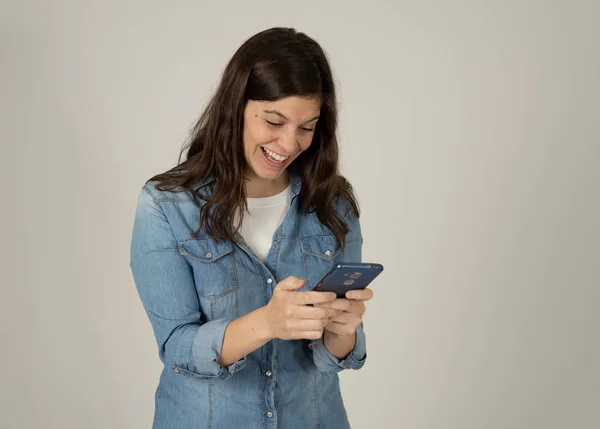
(266,171)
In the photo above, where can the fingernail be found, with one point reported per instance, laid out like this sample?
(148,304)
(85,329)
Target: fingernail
(350,295)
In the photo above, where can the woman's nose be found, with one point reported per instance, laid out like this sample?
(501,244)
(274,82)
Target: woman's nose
(289,142)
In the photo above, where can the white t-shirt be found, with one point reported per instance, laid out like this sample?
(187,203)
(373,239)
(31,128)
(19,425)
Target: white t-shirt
(262,219)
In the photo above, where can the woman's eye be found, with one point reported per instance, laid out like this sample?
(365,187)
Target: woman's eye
(277,124)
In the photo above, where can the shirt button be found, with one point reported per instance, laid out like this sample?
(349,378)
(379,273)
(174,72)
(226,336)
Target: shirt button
(268,373)
(269,414)
(328,253)
(209,255)
(176,370)
(276,245)
(269,281)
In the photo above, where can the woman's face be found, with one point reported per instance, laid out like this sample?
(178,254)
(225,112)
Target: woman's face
(276,132)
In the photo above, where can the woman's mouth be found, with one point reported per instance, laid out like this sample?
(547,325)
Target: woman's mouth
(273,158)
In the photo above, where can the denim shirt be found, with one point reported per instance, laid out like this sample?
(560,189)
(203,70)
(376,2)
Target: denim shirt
(191,288)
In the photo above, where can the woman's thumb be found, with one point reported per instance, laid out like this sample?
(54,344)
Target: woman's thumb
(290,283)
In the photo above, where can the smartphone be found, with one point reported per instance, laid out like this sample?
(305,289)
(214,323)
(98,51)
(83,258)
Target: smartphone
(347,276)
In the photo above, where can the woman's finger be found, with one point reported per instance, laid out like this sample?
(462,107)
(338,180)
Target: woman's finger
(342,318)
(305,312)
(360,295)
(338,304)
(340,328)
(308,324)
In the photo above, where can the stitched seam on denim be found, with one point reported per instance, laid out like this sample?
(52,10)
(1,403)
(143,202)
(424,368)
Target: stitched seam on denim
(161,199)
(210,383)
(235,285)
(318,255)
(213,298)
(262,384)
(198,258)
(214,258)
(145,188)
(306,269)
(159,208)
(212,311)
(147,252)
(316,396)
(277,253)
(234,276)
(310,236)
(174,200)
(189,373)
(274,369)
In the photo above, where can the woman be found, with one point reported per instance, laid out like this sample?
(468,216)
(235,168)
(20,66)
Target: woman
(227,246)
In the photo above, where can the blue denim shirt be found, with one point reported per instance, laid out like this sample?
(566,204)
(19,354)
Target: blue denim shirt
(191,288)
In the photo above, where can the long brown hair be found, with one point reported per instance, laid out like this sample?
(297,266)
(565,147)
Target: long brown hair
(271,65)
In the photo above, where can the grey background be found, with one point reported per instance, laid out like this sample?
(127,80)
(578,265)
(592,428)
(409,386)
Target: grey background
(469,129)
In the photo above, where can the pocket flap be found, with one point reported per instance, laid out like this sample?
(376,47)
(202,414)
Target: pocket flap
(206,250)
(323,246)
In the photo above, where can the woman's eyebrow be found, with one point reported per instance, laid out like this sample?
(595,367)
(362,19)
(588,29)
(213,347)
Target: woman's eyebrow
(282,116)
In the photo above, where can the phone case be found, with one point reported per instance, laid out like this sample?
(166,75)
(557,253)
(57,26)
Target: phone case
(348,276)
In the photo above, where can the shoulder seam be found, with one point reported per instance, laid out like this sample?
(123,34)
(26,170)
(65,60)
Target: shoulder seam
(157,200)
(145,188)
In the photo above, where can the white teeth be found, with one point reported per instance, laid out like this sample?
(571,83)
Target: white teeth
(275,157)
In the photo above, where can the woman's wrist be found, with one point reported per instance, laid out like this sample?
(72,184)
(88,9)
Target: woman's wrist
(244,335)
(263,325)
(339,345)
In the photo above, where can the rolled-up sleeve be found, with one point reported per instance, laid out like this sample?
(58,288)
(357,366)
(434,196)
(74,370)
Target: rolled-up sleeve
(324,360)
(165,283)
(328,363)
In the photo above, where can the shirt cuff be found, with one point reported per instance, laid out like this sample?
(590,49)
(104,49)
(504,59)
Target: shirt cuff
(328,363)
(206,347)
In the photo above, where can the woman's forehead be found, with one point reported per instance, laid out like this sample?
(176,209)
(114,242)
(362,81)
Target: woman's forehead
(292,108)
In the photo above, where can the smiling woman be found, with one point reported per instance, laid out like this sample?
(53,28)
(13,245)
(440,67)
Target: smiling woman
(227,244)
(277,93)
(277,132)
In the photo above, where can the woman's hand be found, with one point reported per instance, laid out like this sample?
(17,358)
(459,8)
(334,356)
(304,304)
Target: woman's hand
(289,314)
(340,332)
(352,308)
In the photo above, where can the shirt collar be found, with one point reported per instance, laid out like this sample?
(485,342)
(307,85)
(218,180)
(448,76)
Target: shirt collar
(295,183)
(199,184)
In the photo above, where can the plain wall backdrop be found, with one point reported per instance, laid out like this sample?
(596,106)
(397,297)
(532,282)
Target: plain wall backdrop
(469,129)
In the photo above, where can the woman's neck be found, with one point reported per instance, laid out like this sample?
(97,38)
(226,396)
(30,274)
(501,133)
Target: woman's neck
(257,187)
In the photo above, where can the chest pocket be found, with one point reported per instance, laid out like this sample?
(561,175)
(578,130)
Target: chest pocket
(214,267)
(319,253)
